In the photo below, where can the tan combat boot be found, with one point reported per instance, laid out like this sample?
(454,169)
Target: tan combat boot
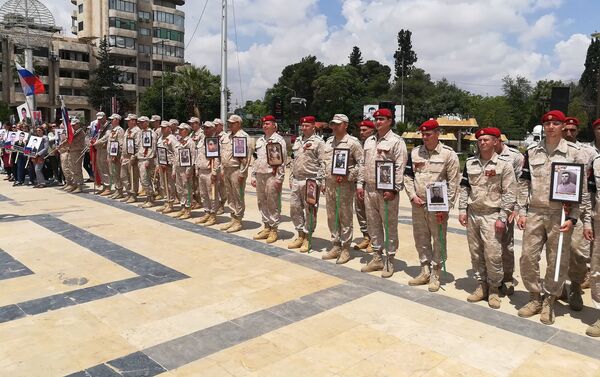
(168,208)
(533,307)
(77,190)
(147,204)
(305,248)
(575,300)
(204,218)
(376,264)
(594,330)
(158,196)
(481,293)
(345,255)
(298,241)
(333,253)
(106,191)
(388,267)
(162,208)
(118,194)
(547,315)
(187,214)
(236,226)
(263,234)
(369,248)
(586,282)
(364,243)
(423,277)
(227,225)
(221,210)
(273,236)
(212,220)
(434,279)
(68,188)
(494,298)
(132,199)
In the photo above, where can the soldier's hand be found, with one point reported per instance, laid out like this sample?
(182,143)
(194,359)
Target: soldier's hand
(418,201)
(566,226)
(462,219)
(360,194)
(278,185)
(500,226)
(512,217)
(441,216)
(341,178)
(253,182)
(389,196)
(588,234)
(213,178)
(521,222)
(241,179)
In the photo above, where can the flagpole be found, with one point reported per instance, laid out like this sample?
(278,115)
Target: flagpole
(224,63)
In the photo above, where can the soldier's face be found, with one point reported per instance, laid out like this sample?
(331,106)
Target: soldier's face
(131,123)
(553,128)
(383,124)
(143,125)
(339,129)
(430,137)
(269,127)
(235,126)
(115,121)
(165,131)
(365,132)
(487,143)
(565,178)
(308,129)
(184,132)
(570,132)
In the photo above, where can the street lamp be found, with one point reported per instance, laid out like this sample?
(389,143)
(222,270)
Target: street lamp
(162,78)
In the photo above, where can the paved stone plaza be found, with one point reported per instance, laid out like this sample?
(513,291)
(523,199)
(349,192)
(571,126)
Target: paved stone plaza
(94,287)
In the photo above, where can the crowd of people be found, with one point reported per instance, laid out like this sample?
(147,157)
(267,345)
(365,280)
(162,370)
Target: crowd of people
(195,165)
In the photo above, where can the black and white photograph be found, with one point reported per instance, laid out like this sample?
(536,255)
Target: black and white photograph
(212,147)
(161,155)
(384,175)
(312,192)
(3,134)
(130,145)
(339,163)
(274,154)
(566,182)
(147,139)
(240,147)
(185,157)
(113,149)
(437,197)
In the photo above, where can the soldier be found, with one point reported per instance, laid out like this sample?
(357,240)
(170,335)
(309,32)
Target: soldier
(594,329)
(367,128)
(309,163)
(385,145)
(99,143)
(73,167)
(340,189)
(487,198)
(182,150)
(507,242)
(166,171)
(429,163)
(268,180)
(130,173)
(206,173)
(155,121)
(145,156)
(196,135)
(234,172)
(221,190)
(540,217)
(115,135)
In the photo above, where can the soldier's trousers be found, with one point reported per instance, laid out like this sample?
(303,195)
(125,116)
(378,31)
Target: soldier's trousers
(299,210)
(361,215)
(580,254)
(208,191)
(157,181)
(426,228)
(542,228)
(595,264)
(235,191)
(64,162)
(130,176)
(167,185)
(184,187)
(267,197)
(376,220)
(75,167)
(102,166)
(146,168)
(484,246)
(508,251)
(114,170)
(221,191)
(342,227)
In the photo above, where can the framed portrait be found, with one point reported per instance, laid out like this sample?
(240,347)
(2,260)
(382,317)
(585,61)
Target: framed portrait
(3,134)
(339,162)
(23,112)
(211,145)
(147,139)
(185,157)
(10,139)
(113,149)
(33,145)
(130,145)
(566,182)
(161,156)
(437,197)
(384,175)
(240,147)
(312,192)
(274,154)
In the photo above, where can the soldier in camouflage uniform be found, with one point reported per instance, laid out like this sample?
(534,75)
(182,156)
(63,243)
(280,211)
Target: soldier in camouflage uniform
(367,128)
(145,157)
(594,329)
(165,172)
(130,173)
(206,173)
(183,174)
(114,162)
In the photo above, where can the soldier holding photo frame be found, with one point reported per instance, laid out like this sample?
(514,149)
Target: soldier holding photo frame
(116,135)
(130,172)
(166,160)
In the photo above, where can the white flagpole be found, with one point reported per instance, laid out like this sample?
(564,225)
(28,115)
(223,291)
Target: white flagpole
(224,64)
(563,218)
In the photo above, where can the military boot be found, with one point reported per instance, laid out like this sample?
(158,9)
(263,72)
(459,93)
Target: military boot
(481,293)
(187,214)
(273,236)
(369,248)
(162,208)
(575,300)
(333,253)
(376,264)
(227,225)
(363,244)
(77,190)
(305,248)
(132,199)
(594,330)
(508,287)
(388,267)
(158,196)
(147,204)
(118,194)
(547,315)
(298,241)
(202,219)
(236,226)
(168,208)
(493,297)
(434,279)
(106,191)
(586,281)
(533,307)
(68,188)
(263,234)
(221,210)
(344,255)
(423,277)
(212,220)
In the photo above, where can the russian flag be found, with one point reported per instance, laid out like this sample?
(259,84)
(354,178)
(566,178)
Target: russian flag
(30,83)
(66,120)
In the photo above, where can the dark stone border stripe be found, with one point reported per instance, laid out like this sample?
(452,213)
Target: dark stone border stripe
(11,268)
(150,273)
(197,345)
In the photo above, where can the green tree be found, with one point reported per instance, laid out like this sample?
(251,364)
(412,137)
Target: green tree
(404,57)
(105,80)
(5,112)
(338,89)
(494,112)
(590,78)
(376,79)
(151,99)
(518,92)
(254,110)
(200,91)
(355,57)
(419,91)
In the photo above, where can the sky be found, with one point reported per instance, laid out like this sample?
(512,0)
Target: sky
(472,43)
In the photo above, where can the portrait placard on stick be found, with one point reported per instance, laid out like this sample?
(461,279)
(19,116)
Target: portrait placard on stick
(161,156)
(312,192)
(240,147)
(437,197)
(147,139)
(566,182)
(274,154)
(384,175)
(130,145)
(212,147)
(185,157)
(339,162)
(113,149)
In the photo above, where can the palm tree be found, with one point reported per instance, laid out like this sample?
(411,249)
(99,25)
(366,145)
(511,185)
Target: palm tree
(200,90)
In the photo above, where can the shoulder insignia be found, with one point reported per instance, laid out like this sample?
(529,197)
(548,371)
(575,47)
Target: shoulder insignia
(514,150)
(573,145)
(447,147)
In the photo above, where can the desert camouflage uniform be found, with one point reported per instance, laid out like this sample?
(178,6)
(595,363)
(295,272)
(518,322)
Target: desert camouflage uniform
(266,176)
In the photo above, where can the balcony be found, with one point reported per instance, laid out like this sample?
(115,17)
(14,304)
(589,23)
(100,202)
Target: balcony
(71,82)
(73,64)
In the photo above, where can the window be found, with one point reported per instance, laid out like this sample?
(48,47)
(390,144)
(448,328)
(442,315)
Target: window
(144,49)
(144,16)
(169,18)
(166,4)
(122,5)
(80,92)
(121,42)
(74,55)
(80,8)
(172,35)
(125,61)
(145,66)
(173,51)
(80,26)
(145,32)
(121,23)
(127,78)
(144,81)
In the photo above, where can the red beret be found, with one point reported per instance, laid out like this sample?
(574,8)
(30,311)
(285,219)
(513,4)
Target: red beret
(429,125)
(573,121)
(367,123)
(383,113)
(553,115)
(307,119)
(596,123)
(493,131)
(268,118)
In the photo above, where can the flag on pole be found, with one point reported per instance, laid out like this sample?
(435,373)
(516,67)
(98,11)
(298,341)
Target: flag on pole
(30,83)
(66,120)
